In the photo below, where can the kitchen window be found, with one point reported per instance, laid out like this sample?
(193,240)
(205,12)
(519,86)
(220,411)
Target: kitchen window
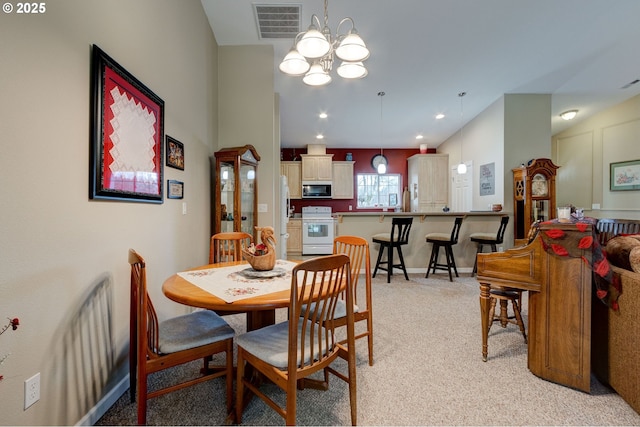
(375,191)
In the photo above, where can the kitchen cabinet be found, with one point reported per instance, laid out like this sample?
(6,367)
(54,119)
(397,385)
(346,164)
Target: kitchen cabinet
(294,242)
(342,180)
(317,167)
(293,172)
(235,202)
(534,196)
(428,182)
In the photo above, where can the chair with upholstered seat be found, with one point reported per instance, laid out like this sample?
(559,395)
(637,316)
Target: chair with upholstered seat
(288,352)
(446,241)
(155,345)
(357,249)
(227,246)
(489,239)
(398,237)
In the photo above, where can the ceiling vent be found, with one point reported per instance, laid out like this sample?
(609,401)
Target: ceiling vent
(277,21)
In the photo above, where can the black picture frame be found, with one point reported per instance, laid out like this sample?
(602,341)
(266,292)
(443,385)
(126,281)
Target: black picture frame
(175,189)
(127,135)
(174,153)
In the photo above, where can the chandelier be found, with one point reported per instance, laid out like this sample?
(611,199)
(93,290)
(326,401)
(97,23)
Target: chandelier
(314,51)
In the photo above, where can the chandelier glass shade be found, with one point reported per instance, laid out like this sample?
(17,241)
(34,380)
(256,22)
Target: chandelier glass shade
(314,52)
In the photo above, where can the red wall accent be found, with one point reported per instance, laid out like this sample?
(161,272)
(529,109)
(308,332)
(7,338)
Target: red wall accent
(397,158)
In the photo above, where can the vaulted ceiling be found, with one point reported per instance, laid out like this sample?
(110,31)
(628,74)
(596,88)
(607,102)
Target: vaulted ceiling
(424,52)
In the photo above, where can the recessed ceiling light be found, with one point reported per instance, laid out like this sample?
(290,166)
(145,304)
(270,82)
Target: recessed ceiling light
(419,136)
(569,115)
(439,116)
(322,115)
(319,136)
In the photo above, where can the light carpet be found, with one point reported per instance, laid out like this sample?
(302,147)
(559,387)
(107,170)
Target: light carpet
(428,370)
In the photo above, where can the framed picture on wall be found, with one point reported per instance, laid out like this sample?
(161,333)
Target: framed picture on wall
(175,153)
(393,199)
(625,175)
(127,135)
(175,189)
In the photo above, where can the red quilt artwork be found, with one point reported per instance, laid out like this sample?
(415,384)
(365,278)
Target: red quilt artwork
(132,157)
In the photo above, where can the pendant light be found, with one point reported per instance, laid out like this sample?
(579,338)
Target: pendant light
(462,167)
(382,166)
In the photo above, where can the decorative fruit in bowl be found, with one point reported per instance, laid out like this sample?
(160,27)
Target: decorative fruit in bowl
(496,207)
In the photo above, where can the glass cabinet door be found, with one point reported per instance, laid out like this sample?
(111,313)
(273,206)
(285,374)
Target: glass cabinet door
(247,196)
(227,196)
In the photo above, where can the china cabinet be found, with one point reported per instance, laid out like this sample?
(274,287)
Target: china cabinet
(428,182)
(293,172)
(317,167)
(534,196)
(343,180)
(235,190)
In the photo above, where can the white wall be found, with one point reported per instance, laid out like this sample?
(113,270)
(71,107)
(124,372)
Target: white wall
(63,262)
(587,150)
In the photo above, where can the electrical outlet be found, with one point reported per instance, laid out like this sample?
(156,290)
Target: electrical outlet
(31,390)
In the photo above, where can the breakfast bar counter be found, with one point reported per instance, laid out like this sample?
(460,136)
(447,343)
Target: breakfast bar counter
(416,253)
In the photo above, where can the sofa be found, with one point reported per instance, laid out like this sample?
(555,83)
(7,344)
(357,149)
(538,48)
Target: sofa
(616,333)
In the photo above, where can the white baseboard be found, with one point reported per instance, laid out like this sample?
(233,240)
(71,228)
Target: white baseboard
(105,403)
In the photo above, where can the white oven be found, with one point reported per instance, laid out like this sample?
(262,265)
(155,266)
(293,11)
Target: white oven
(318,230)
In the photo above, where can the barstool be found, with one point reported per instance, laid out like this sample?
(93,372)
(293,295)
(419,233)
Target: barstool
(504,295)
(488,239)
(447,241)
(399,236)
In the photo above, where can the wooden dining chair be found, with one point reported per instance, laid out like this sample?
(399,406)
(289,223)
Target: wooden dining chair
(357,249)
(155,345)
(289,352)
(227,246)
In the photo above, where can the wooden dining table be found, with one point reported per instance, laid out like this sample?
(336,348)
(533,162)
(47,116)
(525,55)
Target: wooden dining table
(260,310)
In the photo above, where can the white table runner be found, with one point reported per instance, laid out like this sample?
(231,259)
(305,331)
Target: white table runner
(230,284)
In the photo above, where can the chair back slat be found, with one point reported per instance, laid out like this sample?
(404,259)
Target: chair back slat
(316,286)
(144,316)
(357,249)
(400,228)
(227,247)
(456,230)
(503,227)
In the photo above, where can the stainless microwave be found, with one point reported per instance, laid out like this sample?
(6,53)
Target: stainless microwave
(316,189)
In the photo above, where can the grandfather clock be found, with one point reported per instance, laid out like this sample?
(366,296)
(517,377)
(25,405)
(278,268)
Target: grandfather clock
(534,194)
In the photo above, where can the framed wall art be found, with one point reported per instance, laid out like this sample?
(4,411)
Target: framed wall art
(175,189)
(127,135)
(175,153)
(625,175)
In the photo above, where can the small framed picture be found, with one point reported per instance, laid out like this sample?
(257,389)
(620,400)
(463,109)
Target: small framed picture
(175,189)
(393,199)
(175,153)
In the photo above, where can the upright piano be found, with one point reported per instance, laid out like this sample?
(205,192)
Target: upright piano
(560,298)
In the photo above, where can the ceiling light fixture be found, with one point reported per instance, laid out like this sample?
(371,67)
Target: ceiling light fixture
(382,164)
(312,54)
(322,115)
(419,136)
(569,115)
(439,116)
(462,168)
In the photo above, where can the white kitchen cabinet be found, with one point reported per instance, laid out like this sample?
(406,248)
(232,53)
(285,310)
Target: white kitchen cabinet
(317,167)
(342,180)
(293,172)
(294,242)
(428,182)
